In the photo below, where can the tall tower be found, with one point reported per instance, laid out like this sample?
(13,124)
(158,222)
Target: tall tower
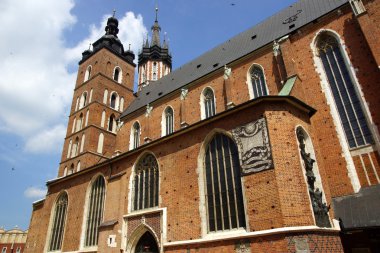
(154,61)
(104,87)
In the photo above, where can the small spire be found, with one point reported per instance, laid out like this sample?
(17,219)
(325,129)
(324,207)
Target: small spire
(165,44)
(156,31)
(129,47)
(89,47)
(114,11)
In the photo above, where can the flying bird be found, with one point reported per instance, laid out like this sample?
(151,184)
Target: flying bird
(232,4)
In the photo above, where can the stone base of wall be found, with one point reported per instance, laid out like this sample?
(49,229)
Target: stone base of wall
(305,242)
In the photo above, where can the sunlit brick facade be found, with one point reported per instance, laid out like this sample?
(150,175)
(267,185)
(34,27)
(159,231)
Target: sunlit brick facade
(245,149)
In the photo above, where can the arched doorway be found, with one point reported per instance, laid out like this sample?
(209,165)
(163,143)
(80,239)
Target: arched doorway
(147,244)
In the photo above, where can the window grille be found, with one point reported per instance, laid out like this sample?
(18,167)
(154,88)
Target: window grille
(136,135)
(58,223)
(342,87)
(169,120)
(224,196)
(95,211)
(258,82)
(357,7)
(209,103)
(146,183)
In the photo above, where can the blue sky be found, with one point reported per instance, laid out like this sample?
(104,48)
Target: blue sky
(41,44)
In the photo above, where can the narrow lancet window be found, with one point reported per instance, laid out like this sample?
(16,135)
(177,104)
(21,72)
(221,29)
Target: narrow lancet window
(146,183)
(224,196)
(208,103)
(58,225)
(339,76)
(169,121)
(259,86)
(95,211)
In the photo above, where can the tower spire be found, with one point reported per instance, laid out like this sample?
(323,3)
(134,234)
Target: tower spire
(156,32)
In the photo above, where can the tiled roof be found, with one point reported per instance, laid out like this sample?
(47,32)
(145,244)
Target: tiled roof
(275,27)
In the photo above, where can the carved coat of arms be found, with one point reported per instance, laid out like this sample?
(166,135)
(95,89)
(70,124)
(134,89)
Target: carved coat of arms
(254,148)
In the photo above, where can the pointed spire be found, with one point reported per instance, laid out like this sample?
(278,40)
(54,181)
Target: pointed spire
(165,43)
(146,42)
(156,31)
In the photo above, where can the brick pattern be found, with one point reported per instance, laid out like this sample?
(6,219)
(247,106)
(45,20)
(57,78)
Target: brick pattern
(274,198)
(153,220)
(316,243)
(312,243)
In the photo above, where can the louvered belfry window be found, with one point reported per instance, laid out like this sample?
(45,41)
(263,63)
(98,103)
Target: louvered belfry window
(209,103)
(95,211)
(347,102)
(224,195)
(259,86)
(58,223)
(146,183)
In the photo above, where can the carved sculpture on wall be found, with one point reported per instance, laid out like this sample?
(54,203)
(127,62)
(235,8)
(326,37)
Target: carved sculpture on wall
(320,208)
(254,148)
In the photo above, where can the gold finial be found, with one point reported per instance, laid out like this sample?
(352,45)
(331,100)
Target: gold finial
(156,11)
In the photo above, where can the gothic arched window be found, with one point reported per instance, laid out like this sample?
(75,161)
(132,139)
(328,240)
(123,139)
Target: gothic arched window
(135,140)
(168,125)
(58,225)
(112,123)
(87,74)
(224,196)
(117,75)
(259,86)
(83,100)
(208,103)
(95,211)
(342,86)
(100,143)
(146,183)
(114,98)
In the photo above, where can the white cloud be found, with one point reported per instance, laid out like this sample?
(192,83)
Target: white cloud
(46,141)
(35,85)
(34,192)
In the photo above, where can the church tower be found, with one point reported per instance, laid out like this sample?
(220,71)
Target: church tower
(104,88)
(154,60)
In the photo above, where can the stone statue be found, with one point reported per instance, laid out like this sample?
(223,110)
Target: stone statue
(227,72)
(184,93)
(276,48)
(148,110)
(119,125)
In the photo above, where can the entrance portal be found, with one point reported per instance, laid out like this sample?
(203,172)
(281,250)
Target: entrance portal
(147,244)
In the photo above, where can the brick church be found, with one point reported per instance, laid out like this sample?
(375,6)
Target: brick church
(267,143)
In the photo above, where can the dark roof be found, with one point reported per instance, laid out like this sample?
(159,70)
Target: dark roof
(359,210)
(275,27)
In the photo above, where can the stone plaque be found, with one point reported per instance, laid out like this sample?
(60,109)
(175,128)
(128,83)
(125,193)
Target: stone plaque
(255,152)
